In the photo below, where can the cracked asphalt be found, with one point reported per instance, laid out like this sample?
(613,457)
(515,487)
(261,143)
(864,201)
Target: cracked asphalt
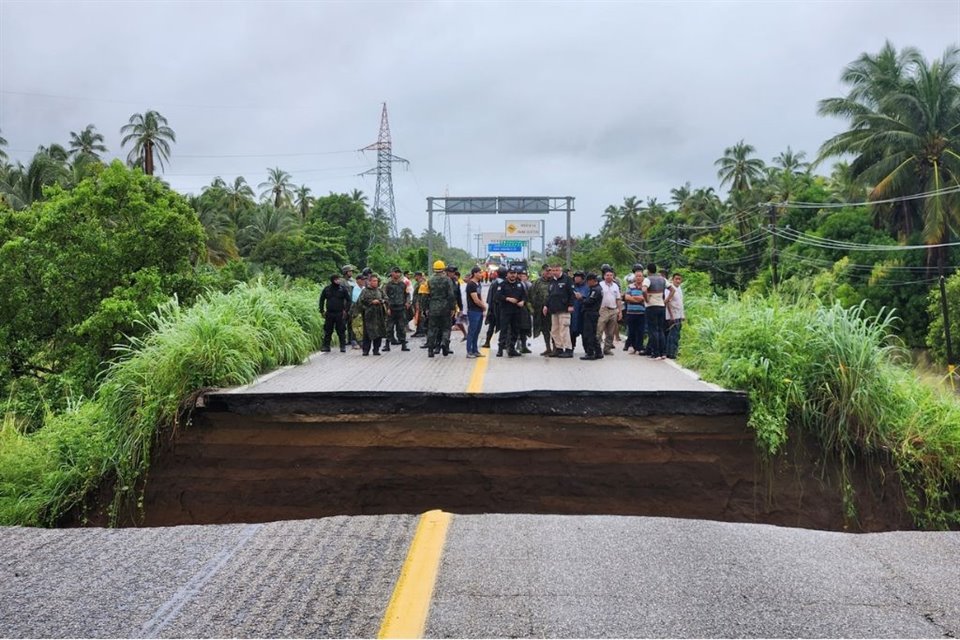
(500,576)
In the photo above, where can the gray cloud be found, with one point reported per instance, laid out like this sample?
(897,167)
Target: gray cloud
(598,100)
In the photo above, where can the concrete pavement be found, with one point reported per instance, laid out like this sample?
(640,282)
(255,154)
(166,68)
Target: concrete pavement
(500,576)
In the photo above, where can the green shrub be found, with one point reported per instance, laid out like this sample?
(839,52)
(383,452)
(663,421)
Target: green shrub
(225,339)
(837,374)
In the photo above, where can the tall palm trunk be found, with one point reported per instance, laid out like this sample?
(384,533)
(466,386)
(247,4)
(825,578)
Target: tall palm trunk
(148,158)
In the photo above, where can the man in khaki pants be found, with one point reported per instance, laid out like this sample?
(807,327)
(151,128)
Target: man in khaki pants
(559,305)
(610,310)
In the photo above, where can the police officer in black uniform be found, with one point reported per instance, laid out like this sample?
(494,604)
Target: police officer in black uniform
(493,306)
(511,299)
(590,306)
(335,307)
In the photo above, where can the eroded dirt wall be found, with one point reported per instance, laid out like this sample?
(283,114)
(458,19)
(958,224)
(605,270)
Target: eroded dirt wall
(233,468)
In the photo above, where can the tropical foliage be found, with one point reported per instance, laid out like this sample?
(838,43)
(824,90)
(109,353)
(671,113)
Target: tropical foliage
(835,373)
(151,138)
(89,252)
(222,340)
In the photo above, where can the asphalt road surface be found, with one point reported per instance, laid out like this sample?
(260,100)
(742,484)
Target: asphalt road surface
(499,576)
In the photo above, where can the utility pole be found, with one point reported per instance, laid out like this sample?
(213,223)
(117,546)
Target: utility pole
(773,243)
(478,237)
(946,321)
(951,363)
(675,247)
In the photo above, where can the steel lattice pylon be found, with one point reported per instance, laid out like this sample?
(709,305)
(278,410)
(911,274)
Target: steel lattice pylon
(383,198)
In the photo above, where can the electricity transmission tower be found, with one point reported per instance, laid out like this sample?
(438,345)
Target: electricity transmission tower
(383,203)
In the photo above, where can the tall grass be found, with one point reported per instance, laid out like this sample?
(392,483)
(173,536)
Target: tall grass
(840,376)
(225,339)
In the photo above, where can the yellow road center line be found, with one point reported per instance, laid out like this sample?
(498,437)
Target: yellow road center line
(406,614)
(479,370)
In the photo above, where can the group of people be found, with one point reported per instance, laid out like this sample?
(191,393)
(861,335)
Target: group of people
(560,306)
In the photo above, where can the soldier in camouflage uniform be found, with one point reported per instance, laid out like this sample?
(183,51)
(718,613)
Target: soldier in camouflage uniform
(397,305)
(442,301)
(538,298)
(372,306)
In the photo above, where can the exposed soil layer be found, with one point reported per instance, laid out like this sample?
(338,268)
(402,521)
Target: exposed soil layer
(252,466)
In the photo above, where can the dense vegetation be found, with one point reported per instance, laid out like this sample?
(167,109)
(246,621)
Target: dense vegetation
(224,339)
(838,374)
(120,298)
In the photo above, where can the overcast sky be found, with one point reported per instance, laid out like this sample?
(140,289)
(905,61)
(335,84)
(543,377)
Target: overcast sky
(596,100)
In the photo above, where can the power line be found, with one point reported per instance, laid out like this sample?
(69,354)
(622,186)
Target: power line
(825,243)
(267,155)
(140,103)
(254,171)
(820,262)
(841,205)
(751,238)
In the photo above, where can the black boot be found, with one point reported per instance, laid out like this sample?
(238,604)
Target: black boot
(499,353)
(513,353)
(446,349)
(404,347)
(486,344)
(325,348)
(429,352)
(386,347)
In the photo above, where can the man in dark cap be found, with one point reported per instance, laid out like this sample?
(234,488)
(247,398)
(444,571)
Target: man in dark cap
(493,305)
(335,303)
(397,305)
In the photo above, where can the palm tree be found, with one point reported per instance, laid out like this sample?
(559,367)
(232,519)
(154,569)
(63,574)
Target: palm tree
(303,201)
(3,143)
(706,207)
(267,220)
(278,186)
(680,197)
(738,168)
(611,220)
(743,211)
(843,187)
(55,152)
(239,198)
(358,196)
(221,246)
(792,162)
(786,175)
(88,143)
(150,135)
(23,185)
(905,136)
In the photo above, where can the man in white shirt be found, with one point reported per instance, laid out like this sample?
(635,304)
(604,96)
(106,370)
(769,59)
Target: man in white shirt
(675,316)
(611,310)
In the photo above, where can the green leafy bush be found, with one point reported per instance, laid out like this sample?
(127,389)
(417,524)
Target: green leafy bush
(225,339)
(838,374)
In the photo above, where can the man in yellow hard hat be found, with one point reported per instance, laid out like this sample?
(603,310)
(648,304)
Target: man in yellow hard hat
(441,306)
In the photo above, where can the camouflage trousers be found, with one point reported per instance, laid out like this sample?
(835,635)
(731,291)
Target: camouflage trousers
(438,329)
